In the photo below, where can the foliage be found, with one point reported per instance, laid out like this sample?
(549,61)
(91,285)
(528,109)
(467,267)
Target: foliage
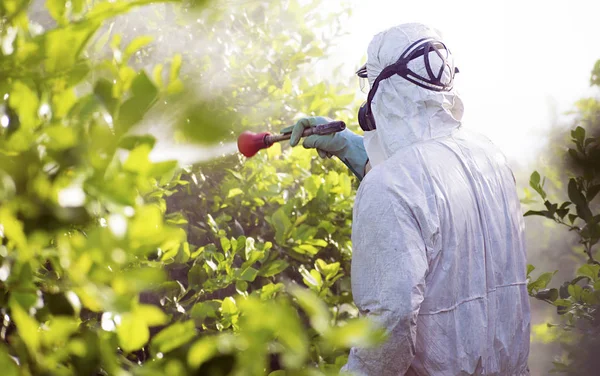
(95,236)
(578,299)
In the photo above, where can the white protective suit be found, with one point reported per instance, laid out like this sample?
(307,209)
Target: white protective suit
(438,246)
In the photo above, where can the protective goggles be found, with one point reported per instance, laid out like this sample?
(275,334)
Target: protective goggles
(435,80)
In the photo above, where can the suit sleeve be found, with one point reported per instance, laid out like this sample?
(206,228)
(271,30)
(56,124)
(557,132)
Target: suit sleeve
(389,266)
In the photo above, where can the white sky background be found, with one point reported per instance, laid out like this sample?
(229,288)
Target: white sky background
(521,62)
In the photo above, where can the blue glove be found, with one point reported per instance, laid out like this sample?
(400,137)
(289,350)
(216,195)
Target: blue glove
(346,145)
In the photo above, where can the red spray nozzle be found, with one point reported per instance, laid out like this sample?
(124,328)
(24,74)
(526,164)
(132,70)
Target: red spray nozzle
(250,143)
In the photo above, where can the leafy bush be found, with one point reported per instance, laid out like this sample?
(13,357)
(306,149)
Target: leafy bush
(111,263)
(577,299)
(114,264)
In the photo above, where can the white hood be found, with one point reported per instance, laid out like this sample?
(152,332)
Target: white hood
(404,112)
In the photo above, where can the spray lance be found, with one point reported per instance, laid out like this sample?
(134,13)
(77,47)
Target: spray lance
(250,143)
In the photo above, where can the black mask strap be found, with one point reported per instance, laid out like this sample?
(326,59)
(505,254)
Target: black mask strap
(423,48)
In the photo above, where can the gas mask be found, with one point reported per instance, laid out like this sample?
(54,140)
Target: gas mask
(438,78)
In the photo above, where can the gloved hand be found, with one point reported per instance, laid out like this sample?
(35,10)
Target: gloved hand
(346,145)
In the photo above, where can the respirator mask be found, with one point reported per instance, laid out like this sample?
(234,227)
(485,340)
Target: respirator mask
(439,78)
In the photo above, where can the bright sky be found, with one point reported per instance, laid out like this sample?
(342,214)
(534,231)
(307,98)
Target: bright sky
(520,61)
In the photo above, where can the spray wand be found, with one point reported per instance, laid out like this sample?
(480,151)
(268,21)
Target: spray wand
(250,143)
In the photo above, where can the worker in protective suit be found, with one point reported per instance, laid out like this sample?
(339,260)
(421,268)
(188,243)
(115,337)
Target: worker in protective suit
(438,246)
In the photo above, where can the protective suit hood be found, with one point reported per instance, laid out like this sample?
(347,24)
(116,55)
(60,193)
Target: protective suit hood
(404,112)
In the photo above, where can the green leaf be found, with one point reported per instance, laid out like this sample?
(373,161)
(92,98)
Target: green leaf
(25,299)
(157,75)
(175,87)
(60,137)
(573,153)
(173,337)
(13,231)
(548,294)
(328,270)
(562,303)
(355,333)
(268,291)
(250,250)
(183,253)
(592,192)
(575,291)
(8,365)
(575,194)
(240,244)
(534,182)
(530,268)
(56,8)
(590,271)
(241,286)
(273,268)
(201,351)
(543,213)
(588,297)
(62,103)
(234,192)
(137,44)
(578,134)
(235,174)
(138,160)
(249,274)
(345,185)
(317,242)
(315,51)
(144,94)
(130,142)
(314,307)
(541,282)
(27,328)
(281,223)
(577,197)
(203,310)
(225,244)
(63,46)
(300,219)
(175,67)
(141,278)
(287,85)
(103,90)
(133,332)
(228,306)
(304,248)
(312,184)
(161,169)
(24,100)
(197,276)
(152,315)
(311,279)
(59,329)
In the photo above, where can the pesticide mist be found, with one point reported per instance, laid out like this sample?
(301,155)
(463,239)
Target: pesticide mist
(131,265)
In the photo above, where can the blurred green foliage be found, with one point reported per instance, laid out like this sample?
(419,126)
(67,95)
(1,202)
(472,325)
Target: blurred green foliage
(111,263)
(577,300)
